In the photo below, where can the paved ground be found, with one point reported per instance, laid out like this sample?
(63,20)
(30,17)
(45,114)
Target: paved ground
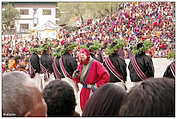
(160,65)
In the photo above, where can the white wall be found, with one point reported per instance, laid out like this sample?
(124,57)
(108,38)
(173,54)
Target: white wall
(43,18)
(30,15)
(30,22)
(28,19)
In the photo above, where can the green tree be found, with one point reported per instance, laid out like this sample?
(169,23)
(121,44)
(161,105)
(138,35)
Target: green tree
(9,15)
(69,12)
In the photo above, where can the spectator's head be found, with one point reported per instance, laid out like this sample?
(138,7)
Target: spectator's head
(105,101)
(154,97)
(20,96)
(60,99)
(84,56)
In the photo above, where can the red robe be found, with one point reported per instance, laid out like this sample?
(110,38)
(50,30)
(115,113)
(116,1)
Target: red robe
(97,75)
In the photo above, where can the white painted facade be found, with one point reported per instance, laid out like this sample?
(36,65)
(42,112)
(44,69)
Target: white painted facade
(34,18)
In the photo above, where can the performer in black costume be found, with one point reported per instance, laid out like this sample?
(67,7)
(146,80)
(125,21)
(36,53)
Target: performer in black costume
(170,71)
(69,62)
(118,63)
(64,64)
(46,62)
(34,63)
(46,58)
(143,64)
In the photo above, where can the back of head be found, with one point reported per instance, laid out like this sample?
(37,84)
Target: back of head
(34,60)
(60,99)
(105,101)
(154,97)
(16,97)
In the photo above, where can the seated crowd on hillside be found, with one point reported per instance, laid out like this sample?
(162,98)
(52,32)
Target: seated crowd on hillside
(36,83)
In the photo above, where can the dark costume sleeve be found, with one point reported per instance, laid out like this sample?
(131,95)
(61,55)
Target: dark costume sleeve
(46,61)
(34,60)
(168,73)
(69,63)
(146,65)
(120,65)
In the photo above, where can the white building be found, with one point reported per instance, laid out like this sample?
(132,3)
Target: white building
(33,14)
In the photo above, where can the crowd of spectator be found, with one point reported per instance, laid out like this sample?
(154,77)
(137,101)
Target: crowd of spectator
(133,22)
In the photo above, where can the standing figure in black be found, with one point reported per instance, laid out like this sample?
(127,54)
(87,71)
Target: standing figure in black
(141,66)
(46,63)
(170,71)
(64,64)
(34,66)
(115,64)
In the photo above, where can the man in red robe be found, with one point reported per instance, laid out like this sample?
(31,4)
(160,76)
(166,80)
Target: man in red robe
(91,74)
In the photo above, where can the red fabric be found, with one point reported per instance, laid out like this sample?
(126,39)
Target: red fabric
(97,75)
(87,53)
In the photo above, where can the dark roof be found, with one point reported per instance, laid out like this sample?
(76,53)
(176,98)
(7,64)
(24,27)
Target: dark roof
(36,2)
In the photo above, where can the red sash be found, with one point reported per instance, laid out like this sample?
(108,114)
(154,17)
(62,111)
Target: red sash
(137,69)
(66,74)
(172,68)
(45,71)
(113,69)
(55,69)
(31,70)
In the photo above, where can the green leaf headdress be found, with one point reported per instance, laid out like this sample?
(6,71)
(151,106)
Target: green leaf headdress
(118,43)
(35,49)
(171,55)
(46,46)
(61,50)
(144,46)
(95,46)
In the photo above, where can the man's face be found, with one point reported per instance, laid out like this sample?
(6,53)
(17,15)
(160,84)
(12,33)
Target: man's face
(82,56)
(39,106)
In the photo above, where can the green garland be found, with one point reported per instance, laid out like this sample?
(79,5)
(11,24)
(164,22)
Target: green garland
(83,46)
(59,51)
(34,50)
(171,55)
(96,46)
(120,44)
(146,45)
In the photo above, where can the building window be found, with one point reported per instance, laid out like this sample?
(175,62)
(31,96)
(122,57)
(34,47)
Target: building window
(24,27)
(24,12)
(46,12)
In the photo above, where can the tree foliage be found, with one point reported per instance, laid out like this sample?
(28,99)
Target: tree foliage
(9,15)
(68,12)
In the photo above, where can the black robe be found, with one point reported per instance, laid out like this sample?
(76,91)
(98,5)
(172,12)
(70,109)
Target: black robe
(120,65)
(46,61)
(146,65)
(69,63)
(34,60)
(168,73)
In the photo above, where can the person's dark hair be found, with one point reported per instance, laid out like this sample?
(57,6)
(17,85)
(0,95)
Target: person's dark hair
(17,98)
(154,97)
(105,101)
(60,99)
(34,59)
(140,45)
